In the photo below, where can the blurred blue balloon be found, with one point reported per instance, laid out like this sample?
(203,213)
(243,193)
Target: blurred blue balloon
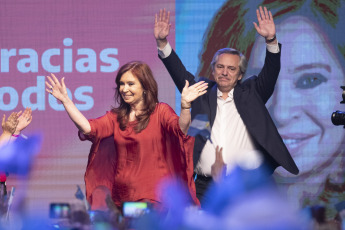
(16,157)
(238,183)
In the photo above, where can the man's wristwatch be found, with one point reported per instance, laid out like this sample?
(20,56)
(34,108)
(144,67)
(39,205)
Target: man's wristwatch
(271,40)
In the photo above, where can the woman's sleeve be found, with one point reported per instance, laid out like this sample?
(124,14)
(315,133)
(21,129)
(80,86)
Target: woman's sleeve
(101,127)
(170,121)
(179,153)
(102,154)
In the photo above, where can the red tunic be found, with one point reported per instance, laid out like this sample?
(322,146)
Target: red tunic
(132,164)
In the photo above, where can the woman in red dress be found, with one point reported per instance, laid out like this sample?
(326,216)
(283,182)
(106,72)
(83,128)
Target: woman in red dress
(138,144)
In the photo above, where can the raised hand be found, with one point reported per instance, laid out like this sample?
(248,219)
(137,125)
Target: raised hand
(218,169)
(190,93)
(162,27)
(9,125)
(266,27)
(57,89)
(24,120)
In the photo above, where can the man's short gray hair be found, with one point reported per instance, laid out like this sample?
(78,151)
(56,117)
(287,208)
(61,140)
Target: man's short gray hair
(243,60)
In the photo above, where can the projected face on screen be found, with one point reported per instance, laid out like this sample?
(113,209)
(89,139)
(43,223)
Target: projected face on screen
(307,90)
(305,93)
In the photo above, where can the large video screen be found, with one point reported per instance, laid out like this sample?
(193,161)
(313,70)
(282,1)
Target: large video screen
(308,88)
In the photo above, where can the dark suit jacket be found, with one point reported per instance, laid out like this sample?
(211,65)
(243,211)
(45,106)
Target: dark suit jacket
(250,97)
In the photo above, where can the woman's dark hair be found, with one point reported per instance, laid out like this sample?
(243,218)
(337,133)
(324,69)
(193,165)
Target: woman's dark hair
(150,95)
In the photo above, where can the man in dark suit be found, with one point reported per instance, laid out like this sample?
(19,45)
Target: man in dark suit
(240,122)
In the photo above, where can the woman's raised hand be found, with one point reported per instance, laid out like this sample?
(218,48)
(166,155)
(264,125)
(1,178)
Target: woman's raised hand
(57,89)
(190,93)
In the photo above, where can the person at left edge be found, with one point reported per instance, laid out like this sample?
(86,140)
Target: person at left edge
(14,124)
(11,129)
(149,140)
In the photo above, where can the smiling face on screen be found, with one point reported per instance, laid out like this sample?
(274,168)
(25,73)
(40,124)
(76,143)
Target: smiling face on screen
(306,93)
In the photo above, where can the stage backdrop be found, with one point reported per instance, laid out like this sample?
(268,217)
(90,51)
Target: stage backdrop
(87,41)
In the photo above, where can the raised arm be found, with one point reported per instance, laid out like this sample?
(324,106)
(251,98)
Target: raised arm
(59,91)
(172,62)
(270,71)
(189,94)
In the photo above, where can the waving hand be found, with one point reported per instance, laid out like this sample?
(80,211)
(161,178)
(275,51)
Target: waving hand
(162,27)
(266,27)
(59,91)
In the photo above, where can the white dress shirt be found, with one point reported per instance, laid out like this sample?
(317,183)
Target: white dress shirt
(230,133)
